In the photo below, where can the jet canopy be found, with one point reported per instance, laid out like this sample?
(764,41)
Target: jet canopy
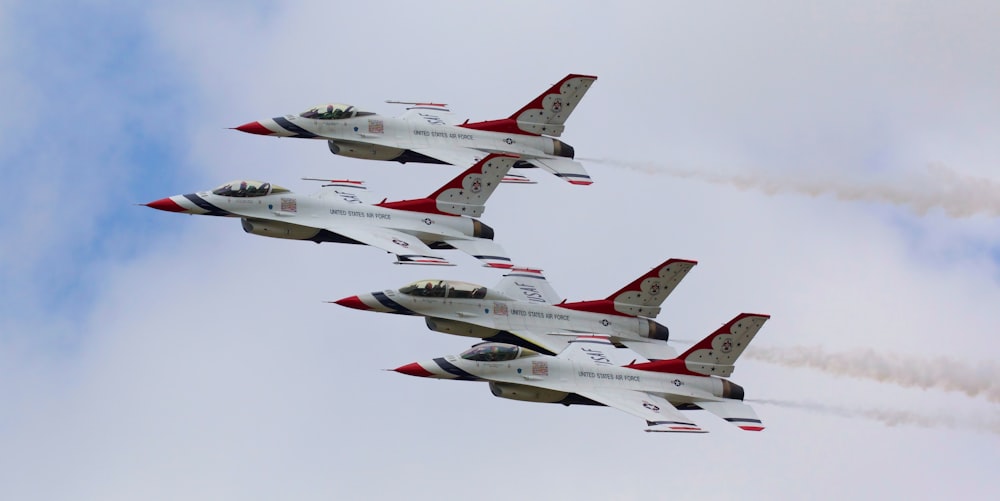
(495,352)
(248,188)
(333,111)
(444,288)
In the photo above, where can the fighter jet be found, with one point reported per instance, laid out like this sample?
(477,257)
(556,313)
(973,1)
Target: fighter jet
(592,371)
(524,310)
(345,212)
(428,132)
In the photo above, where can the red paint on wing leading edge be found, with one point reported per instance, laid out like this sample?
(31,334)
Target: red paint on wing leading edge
(602,306)
(504,125)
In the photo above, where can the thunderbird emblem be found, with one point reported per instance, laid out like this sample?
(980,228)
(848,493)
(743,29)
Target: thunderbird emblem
(727,346)
(557,105)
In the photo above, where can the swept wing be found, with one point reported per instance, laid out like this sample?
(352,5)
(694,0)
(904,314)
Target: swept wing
(660,415)
(407,248)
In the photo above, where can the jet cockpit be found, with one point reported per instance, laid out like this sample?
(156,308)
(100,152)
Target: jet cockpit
(333,111)
(247,188)
(444,288)
(496,352)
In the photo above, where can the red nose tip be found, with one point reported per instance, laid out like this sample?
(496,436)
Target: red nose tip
(353,302)
(254,128)
(167,205)
(413,369)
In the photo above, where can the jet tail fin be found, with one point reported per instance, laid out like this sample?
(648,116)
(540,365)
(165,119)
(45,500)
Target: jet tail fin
(547,113)
(466,194)
(716,354)
(644,295)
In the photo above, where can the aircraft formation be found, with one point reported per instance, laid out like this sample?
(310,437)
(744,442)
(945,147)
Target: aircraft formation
(535,345)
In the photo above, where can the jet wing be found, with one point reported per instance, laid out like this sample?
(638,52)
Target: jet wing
(487,251)
(600,350)
(527,284)
(352,192)
(465,157)
(407,248)
(659,414)
(650,349)
(569,170)
(430,113)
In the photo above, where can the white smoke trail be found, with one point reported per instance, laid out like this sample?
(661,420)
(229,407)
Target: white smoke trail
(893,417)
(956,195)
(972,378)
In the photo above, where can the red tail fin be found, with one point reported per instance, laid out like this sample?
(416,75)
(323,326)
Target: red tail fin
(716,354)
(644,295)
(466,194)
(547,113)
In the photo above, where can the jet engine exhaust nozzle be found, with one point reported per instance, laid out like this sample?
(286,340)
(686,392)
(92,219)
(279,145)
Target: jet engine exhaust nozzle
(561,149)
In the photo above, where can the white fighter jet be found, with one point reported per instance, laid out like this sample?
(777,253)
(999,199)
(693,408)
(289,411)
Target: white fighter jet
(592,371)
(345,212)
(428,132)
(523,309)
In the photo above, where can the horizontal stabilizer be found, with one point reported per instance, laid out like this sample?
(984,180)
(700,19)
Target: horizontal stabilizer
(564,168)
(735,412)
(489,252)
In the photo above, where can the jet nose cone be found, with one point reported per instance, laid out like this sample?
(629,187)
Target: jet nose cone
(353,302)
(413,369)
(254,128)
(166,204)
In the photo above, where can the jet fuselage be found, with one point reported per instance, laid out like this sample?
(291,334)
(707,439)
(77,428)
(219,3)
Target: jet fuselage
(377,137)
(501,313)
(300,217)
(595,372)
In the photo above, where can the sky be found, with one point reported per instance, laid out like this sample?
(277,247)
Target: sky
(831,164)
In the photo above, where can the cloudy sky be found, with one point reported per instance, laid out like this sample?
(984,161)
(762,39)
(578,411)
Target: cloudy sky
(832,165)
